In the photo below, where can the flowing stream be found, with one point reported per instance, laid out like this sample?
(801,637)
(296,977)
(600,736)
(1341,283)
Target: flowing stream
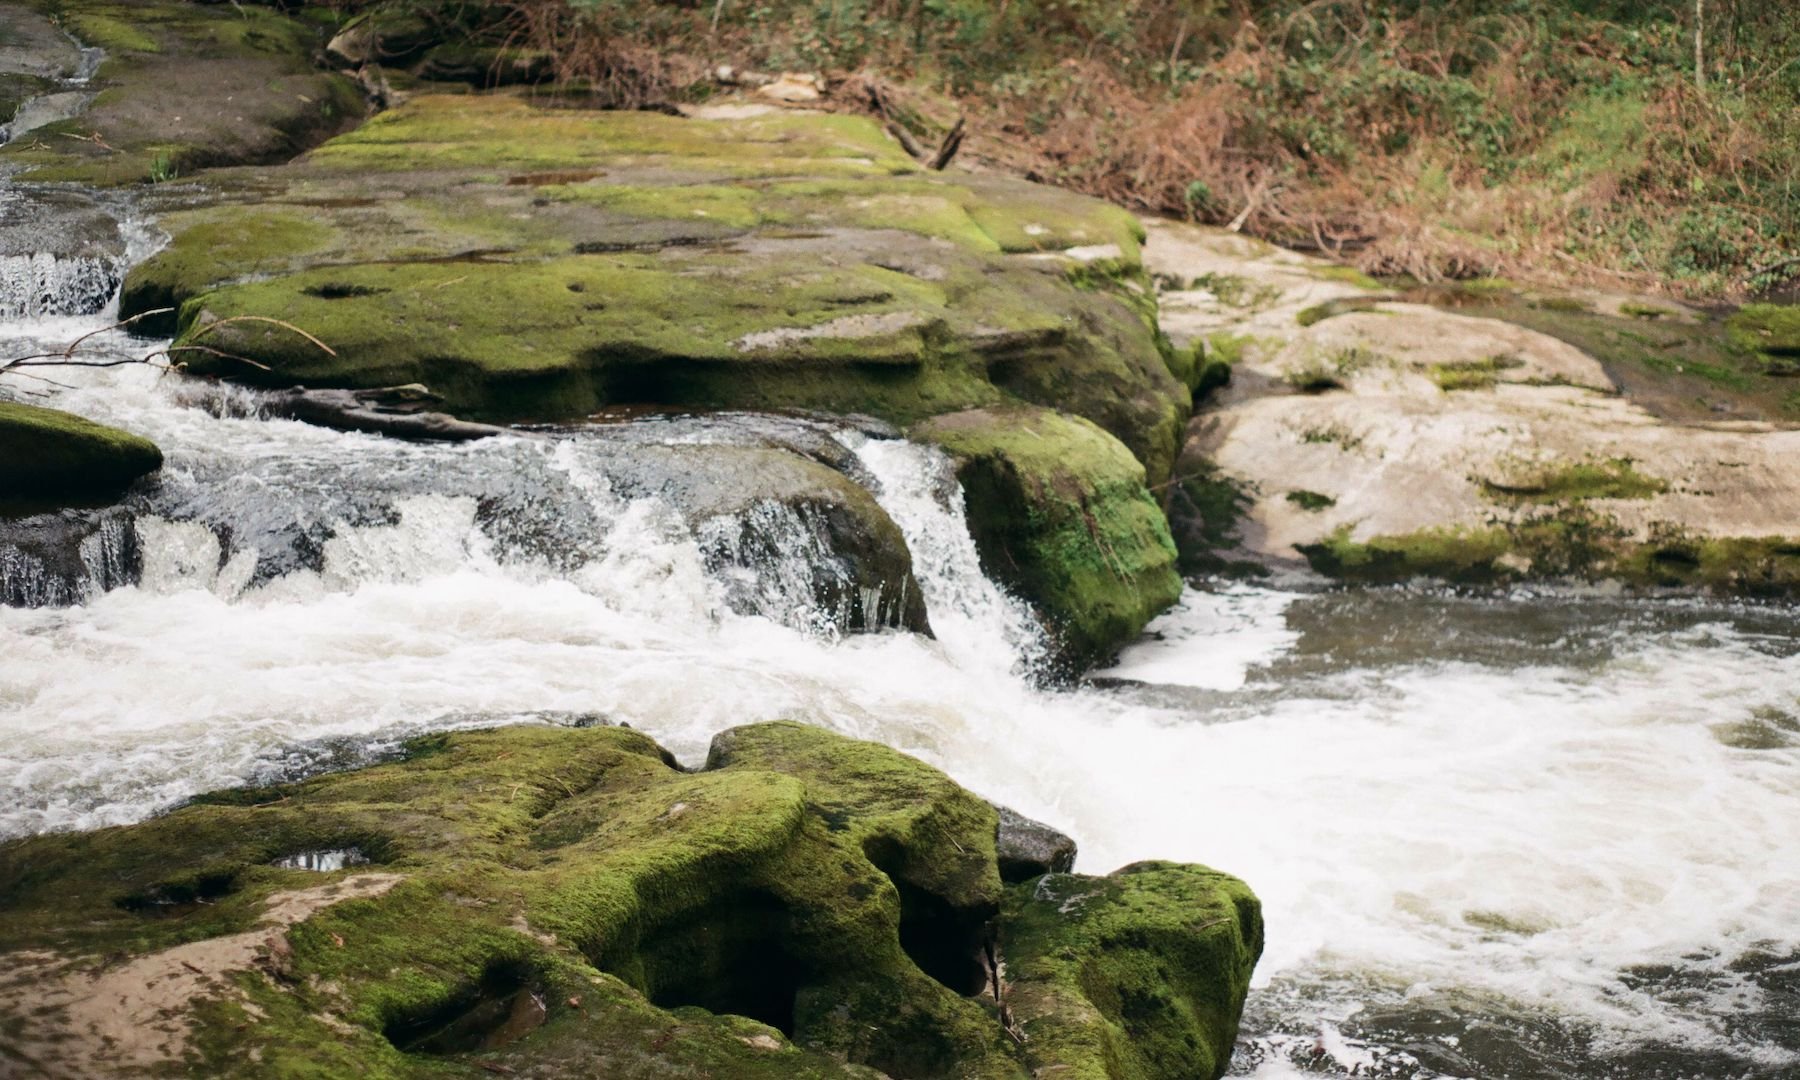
(1549,834)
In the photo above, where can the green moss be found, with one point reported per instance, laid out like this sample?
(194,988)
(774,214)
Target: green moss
(1346,275)
(1311,501)
(1235,290)
(1316,373)
(1649,312)
(1771,329)
(1205,507)
(1617,478)
(1318,313)
(805,906)
(510,134)
(1451,554)
(1134,976)
(104,31)
(1228,347)
(51,457)
(1060,513)
(1335,435)
(1474,375)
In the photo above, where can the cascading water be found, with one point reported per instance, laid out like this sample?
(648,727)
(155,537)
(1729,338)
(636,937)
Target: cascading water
(1544,835)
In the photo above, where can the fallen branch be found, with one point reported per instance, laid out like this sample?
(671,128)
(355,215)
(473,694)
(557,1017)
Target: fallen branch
(946,150)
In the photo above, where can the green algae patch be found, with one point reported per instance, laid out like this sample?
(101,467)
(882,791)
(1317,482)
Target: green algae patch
(1331,309)
(1770,329)
(1311,501)
(1483,374)
(1573,482)
(1767,566)
(1060,512)
(1457,555)
(1347,275)
(52,457)
(1137,975)
(545,901)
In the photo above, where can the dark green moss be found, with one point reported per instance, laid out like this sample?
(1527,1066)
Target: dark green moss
(51,457)
(1311,501)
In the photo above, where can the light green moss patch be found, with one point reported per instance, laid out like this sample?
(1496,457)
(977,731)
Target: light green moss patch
(1771,329)
(1481,374)
(1456,555)
(502,132)
(1346,275)
(1617,478)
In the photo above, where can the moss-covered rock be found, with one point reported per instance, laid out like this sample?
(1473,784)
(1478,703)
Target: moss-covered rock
(530,261)
(186,86)
(1060,512)
(563,902)
(49,457)
(1136,975)
(1572,543)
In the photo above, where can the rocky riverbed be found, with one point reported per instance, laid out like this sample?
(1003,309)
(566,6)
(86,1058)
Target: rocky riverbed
(733,415)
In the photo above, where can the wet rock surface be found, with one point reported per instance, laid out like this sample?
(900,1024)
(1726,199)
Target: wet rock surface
(555,902)
(1029,849)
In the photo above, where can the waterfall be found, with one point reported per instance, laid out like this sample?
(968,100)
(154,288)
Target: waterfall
(39,285)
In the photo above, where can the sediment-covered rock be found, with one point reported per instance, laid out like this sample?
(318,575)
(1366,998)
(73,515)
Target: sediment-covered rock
(1060,513)
(562,902)
(53,458)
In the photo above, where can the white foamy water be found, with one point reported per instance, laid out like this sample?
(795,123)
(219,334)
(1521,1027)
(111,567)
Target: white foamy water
(1472,822)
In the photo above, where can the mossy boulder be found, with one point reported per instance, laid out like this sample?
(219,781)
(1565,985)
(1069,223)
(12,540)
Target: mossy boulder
(1060,513)
(1136,975)
(564,902)
(530,261)
(52,458)
(185,86)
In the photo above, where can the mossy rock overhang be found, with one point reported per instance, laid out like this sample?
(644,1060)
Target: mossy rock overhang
(535,262)
(805,905)
(54,458)
(184,86)
(1060,513)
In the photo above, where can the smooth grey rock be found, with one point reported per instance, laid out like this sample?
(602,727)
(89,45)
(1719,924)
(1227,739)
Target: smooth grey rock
(1030,848)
